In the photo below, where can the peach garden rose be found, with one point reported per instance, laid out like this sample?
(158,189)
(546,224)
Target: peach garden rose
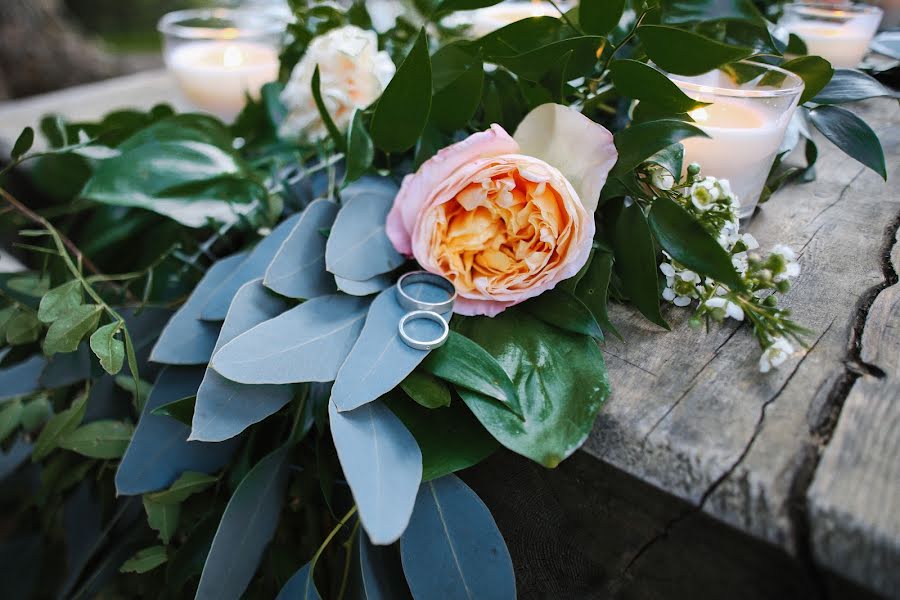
(506,218)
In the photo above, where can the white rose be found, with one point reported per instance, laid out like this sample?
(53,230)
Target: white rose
(352,75)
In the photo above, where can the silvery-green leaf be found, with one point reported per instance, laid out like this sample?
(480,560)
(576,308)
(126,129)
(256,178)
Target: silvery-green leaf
(298,269)
(186,339)
(159,451)
(364,288)
(382,464)
(224,408)
(253,266)
(376,573)
(452,548)
(307,343)
(380,360)
(358,247)
(21,378)
(300,586)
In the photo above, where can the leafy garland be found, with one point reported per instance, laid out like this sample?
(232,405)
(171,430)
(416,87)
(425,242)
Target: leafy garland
(255,472)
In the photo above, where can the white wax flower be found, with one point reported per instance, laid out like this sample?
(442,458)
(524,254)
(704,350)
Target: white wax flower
(791,267)
(731,309)
(775,354)
(705,193)
(352,75)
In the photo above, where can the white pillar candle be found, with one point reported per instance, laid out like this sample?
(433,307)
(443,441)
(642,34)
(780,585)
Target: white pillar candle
(218,75)
(840,35)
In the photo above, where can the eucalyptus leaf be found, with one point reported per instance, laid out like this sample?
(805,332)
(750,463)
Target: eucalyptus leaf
(599,17)
(404,106)
(695,53)
(307,343)
(639,142)
(159,451)
(224,408)
(851,134)
(100,439)
(382,464)
(21,378)
(376,573)
(109,349)
(245,530)
(59,301)
(646,83)
(560,381)
(379,360)
(360,149)
(250,268)
(65,333)
(301,586)
(453,548)
(186,339)
(358,247)
(364,288)
(298,268)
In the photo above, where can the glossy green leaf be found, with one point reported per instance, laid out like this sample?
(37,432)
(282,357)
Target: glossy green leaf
(458,81)
(593,289)
(463,362)
(60,301)
(162,518)
(815,71)
(851,134)
(99,439)
(333,131)
(599,17)
(635,263)
(639,142)
(360,150)
(520,36)
(647,84)
(688,11)
(447,6)
(564,310)
(534,64)
(450,438)
(671,159)
(59,426)
(687,53)
(402,112)
(108,348)
(426,389)
(689,243)
(23,143)
(65,333)
(145,560)
(181,410)
(560,381)
(850,85)
(186,485)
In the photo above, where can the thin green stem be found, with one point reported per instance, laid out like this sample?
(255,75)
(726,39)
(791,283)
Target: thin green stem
(348,555)
(562,15)
(623,43)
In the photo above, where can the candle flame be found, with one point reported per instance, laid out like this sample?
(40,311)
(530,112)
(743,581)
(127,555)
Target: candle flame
(232,57)
(700,115)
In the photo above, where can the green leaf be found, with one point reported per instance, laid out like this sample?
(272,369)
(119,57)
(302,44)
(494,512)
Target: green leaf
(162,518)
(560,379)
(109,349)
(10,417)
(23,143)
(450,438)
(66,332)
(593,289)
(466,364)
(639,142)
(815,71)
(187,484)
(402,112)
(59,301)
(426,389)
(689,243)
(564,310)
(520,36)
(99,439)
(850,85)
(145,560)
(688,11)
(687,53)
(180,410)
(670,158)
(23,327)
(647,84)
(458,81)
(360,151)
(534,64)
(36,412)
(59,426)
(851,134)
(599,17)
(333,131)
(635,262)
(447,6)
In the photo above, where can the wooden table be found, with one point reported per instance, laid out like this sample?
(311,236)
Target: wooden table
(804,462)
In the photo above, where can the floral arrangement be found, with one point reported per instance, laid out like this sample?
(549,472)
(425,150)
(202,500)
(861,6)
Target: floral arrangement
(204,372)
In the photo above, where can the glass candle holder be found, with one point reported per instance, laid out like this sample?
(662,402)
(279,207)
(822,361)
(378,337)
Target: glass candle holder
(750,107)
(839,33)
(219,56)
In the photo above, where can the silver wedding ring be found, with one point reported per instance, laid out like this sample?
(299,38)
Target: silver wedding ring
(424,344)
(410,303)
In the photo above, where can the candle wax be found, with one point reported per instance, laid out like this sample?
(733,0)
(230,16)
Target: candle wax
(841,45)
(216,76)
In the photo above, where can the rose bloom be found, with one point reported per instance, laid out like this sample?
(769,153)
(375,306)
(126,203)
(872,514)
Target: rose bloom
(352,75)
(506,218)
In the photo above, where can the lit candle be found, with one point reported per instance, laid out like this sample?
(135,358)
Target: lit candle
(745,121)
(839,34)
(485,20)
(217,76)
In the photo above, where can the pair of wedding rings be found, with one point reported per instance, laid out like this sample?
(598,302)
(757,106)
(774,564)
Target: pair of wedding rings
(420,309)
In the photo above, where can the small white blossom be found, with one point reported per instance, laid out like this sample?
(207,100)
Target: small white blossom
(667,269)
(775,354)
(660,177)
(704,194)
(791,267)
(731,309)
